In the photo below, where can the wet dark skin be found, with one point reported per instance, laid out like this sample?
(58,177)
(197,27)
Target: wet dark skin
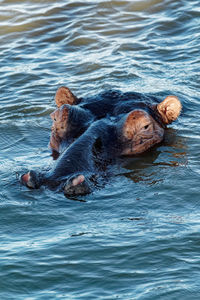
(88,133)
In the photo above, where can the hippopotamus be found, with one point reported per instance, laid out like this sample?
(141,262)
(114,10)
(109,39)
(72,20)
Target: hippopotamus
(90,133)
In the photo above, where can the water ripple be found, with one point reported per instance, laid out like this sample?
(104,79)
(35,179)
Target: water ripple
(136,238)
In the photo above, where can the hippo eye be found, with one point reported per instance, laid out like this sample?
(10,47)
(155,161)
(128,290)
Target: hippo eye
(146,126)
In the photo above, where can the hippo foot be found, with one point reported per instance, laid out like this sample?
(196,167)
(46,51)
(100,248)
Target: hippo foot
(30,180)
(77,186)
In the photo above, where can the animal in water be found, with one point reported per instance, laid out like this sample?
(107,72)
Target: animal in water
(88,134)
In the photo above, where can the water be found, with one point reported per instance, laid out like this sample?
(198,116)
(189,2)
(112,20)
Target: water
(138,237)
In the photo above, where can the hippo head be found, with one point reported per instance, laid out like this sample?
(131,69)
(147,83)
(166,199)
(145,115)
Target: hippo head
(144,128)
(59,127)
(60,118)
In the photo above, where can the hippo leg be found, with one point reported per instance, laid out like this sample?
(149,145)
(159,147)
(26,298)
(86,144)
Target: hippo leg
(30,180)
(77,185)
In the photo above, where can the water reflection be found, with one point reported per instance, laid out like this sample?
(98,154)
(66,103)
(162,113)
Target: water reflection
(146,167)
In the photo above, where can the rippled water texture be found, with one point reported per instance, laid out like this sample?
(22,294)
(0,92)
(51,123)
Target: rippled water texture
(139,236)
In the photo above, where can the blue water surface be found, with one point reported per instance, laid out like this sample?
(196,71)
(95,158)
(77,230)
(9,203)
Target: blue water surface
(139,236)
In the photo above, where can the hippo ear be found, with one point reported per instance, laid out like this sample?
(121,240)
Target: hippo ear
(64,96)
(169,109)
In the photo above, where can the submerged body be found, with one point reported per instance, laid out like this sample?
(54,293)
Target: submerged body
(88,133)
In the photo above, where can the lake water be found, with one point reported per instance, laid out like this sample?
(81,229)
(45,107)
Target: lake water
(139,236)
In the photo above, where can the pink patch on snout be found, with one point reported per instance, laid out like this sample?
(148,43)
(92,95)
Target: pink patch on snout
(78,180)
(25,177)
